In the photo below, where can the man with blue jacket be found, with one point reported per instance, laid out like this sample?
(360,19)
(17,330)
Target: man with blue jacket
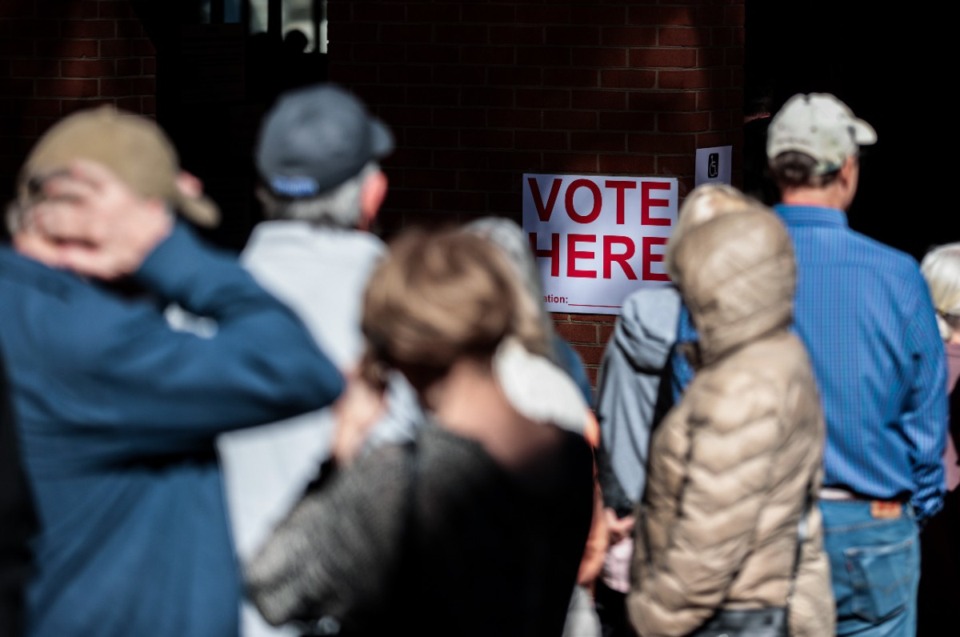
(116,411)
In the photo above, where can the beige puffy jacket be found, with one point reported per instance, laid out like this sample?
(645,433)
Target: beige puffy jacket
(733,464)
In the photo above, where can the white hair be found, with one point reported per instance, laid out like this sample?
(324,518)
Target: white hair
(941,269)
(339,207)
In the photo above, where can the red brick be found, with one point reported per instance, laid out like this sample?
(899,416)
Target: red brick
(487,55)
(464,34)
(88,68)
(675,165)
(436,13)
(570,120)
(661,144)
(542,140)
(599,57)
(127,86)
(543,98)
(407,74)
(599,100)
(113,9)
(578,332)
(627,79)
(569,163)
(492,181)
(32,68)
(591,354)
(381,12)
(515,118)
(591,13)
(42,108)
(518,34)
(132,47)
(399,33)
(395,53)
(455,75)
(456,201)
(632,164)
(628,121)
(663,58)
(488,138)
(68,88)
(90,29)
(679,36)
(514,76)
(711,56)
(130,29)
(599,142)
(731,137)
(683,79)
(580,78)
(660,101)
(130,66)
(629,36)
(574,35)
(432,138)
(683,122)
(489,13)
(553,12)
(605,332)
(547,55)
(406,115)
(459,117)
(432,179)
(486,96)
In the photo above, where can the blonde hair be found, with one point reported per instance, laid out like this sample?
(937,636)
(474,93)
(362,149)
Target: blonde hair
(702,204)
(442,295)
(941,268)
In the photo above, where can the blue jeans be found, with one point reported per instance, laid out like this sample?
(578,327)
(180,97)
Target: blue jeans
(875,568)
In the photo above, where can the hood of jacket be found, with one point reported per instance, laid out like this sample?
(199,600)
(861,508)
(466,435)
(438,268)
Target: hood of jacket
(737,275)
(647,327)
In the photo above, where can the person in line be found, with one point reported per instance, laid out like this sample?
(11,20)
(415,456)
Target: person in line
(321,187)
(864,312)
(508,236)
(728,538)
(940,537)
(117,412)
(20,525)
(475,528)
(630,403)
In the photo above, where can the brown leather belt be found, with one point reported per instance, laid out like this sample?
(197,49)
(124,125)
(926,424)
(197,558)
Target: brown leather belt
(880,509)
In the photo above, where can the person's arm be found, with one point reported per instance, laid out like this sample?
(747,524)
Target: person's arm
(121,363)
(335,553)
(925,420)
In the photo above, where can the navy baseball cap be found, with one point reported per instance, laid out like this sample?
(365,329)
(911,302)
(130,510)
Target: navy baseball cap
(315,138)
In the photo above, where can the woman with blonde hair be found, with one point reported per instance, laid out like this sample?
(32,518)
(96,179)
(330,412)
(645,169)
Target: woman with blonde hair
(476,527)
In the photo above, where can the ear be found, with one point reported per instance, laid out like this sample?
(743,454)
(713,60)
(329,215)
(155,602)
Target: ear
(372,194)
(189,184)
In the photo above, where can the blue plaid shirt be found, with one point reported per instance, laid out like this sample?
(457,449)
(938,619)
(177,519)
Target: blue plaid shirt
(864,312)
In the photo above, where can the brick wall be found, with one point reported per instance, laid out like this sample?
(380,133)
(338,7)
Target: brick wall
(480,92)
(60,55)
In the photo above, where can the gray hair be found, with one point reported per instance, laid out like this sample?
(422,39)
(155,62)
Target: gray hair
(339,207)
(941,268)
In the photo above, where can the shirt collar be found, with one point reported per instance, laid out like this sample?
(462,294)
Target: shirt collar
(800,215)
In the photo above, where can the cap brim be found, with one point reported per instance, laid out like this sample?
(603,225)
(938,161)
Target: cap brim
(201,211)
(863,133)
(382,138)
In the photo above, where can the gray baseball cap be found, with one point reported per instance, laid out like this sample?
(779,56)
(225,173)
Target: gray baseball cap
(317,137)
(821,126)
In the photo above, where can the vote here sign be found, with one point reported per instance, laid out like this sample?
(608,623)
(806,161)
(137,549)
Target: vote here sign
(597,239)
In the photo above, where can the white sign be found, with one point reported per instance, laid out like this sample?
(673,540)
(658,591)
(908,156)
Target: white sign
(597,239)
(714,165)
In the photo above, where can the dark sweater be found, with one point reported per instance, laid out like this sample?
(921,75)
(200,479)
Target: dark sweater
(483,551)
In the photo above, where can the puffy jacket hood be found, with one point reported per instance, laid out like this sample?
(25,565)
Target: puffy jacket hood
(737,275)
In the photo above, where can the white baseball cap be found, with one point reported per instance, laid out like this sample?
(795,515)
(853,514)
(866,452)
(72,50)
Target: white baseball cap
(821,126)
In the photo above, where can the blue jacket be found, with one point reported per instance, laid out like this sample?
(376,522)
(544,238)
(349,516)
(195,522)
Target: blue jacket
(117,415)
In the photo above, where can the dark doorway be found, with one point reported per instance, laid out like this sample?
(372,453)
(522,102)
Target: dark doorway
(872,59)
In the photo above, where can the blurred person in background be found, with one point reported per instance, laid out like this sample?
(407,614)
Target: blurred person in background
(476,527)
